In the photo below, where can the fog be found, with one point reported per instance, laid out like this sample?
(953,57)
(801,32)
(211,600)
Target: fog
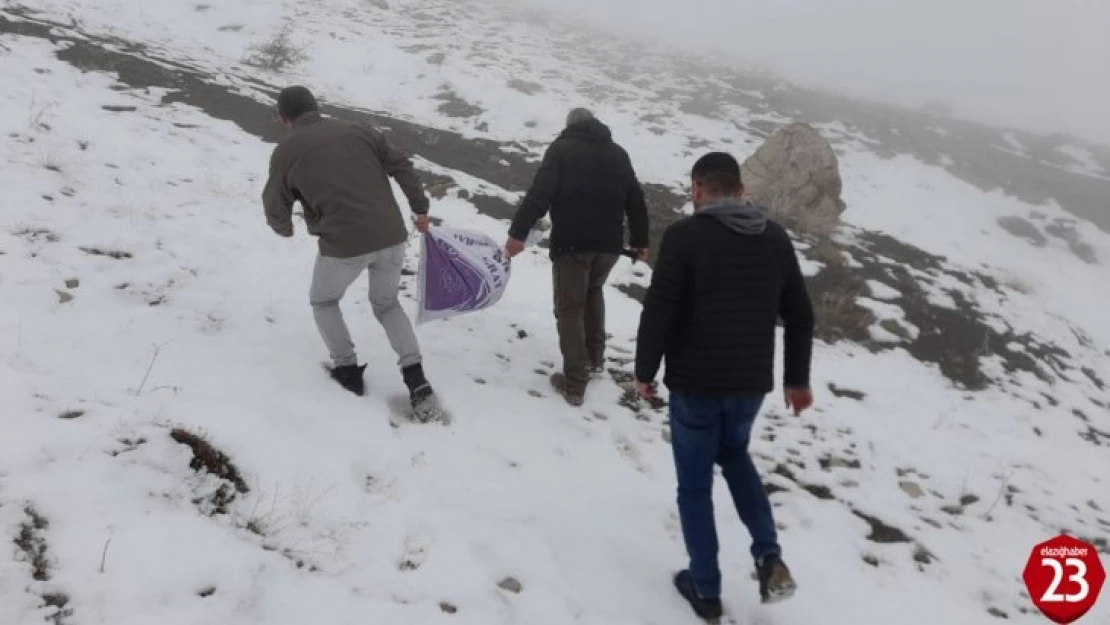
(1042,65)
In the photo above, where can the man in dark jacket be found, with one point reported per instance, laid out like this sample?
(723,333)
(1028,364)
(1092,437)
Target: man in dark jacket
(339,172)
(723,278)
(588,184)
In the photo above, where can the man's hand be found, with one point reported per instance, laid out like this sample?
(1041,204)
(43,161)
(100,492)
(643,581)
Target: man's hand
(284,231)
(799,399)
(642,253)
(422,223)
(647,390)
(513,247)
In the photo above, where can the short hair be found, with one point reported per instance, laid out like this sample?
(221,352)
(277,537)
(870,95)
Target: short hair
(718,173)
(295,101)
(579,115)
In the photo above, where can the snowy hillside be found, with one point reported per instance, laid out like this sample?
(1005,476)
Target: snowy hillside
(171,452)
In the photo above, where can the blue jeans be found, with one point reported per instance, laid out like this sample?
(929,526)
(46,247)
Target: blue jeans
(704,432)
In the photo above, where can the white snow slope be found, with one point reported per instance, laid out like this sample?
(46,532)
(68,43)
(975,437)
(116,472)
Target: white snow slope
(143,292)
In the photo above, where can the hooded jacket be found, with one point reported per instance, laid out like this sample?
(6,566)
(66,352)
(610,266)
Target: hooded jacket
(722,280)
(587,183)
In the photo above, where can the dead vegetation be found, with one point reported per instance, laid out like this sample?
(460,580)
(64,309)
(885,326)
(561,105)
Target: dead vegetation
(278,54)
(838,317)
(208,459)
(881,532)
(108,252)
(31,543)
(35,234)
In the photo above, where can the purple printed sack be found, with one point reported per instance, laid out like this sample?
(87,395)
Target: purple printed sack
(461,271)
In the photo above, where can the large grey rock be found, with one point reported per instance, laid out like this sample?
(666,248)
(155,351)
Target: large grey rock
(795,175)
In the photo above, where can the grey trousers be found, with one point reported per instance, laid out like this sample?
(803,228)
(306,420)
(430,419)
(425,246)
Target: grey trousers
(330,280)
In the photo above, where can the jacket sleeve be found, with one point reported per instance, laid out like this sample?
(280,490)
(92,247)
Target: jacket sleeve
(399,166)
(635,208)
(661,306)
(796,311)
(278,198)
(537,201)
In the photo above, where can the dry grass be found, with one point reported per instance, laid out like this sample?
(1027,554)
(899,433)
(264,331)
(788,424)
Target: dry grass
(211,460)
(33,545)
(110,253)
(278,54)
(839,317)
(827,252)
(34,234)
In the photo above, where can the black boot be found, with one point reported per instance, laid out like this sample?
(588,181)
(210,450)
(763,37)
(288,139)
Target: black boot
(350,378)
(422,399)
(705,608)
(775,581)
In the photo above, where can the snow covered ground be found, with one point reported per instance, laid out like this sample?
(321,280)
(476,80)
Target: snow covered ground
(147,302)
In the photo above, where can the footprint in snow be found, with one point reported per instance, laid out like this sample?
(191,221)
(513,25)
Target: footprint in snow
(630,451)
(416,552)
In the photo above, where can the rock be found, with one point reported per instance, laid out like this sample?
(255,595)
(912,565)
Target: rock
(63,297)
(448,608)
(913,489)
(796,176)
(73,283)
(511,584)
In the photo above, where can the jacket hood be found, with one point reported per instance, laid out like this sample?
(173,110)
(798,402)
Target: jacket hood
(590,130)
(738,215)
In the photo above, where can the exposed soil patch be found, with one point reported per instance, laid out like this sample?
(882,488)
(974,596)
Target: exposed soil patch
(846,392)
(1066,232)
(831,462)
(454,106)
(818,491)
(1024,229)
(524,86)
(881,532)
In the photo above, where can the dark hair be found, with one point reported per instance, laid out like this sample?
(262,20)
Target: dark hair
(295,101)
(718,172)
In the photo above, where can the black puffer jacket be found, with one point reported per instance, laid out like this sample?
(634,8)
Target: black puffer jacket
(588,184)
(723,279)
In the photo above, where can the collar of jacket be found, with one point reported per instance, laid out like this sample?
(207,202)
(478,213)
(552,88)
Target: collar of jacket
(307,118)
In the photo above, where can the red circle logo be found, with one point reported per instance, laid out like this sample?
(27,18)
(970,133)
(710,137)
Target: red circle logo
(1064,577)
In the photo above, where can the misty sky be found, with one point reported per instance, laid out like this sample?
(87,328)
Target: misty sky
(1038,64)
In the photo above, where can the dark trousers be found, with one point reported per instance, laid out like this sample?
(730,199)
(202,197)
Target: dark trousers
(704,432)
(579,281)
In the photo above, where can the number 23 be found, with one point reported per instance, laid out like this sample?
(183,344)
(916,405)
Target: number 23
(1080,577)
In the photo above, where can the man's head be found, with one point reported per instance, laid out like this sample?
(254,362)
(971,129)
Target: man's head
(579,115)
(293,102)
(715,176)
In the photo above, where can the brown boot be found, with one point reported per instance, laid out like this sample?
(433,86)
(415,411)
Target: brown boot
(559,383)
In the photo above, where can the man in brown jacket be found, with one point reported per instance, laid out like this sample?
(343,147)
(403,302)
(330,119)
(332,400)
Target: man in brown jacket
(339,172)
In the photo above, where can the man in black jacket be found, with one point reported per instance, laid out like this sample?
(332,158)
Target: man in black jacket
(588,184)
(723,278)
